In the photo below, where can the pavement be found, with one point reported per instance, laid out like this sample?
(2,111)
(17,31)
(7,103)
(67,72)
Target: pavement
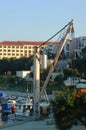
(36,125)
(30,125)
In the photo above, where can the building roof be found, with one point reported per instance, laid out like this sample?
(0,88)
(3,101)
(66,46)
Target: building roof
(81,85)
(22,43)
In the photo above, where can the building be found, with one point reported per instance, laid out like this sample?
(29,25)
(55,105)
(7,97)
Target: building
(17,49)
(12,49)
(80,44)
(67,49)
(74,47)
(24,74)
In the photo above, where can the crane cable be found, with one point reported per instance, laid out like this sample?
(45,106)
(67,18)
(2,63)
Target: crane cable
(55,34)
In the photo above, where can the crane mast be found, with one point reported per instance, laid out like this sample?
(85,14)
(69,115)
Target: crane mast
(36,84)
(37,93)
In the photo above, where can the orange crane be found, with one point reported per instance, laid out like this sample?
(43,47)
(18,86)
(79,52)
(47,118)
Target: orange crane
(37,93)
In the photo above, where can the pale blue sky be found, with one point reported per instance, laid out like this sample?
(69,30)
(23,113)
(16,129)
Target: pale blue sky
(38,20)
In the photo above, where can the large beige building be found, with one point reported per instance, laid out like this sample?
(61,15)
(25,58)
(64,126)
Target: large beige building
(17,49)
(12,49)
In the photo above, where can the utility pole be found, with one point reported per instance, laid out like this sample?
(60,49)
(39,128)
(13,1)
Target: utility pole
(36,85)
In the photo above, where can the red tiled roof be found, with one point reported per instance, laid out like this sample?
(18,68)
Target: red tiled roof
(22,43)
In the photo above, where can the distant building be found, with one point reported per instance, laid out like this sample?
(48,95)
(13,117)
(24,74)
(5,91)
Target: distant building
(80,44)
(22,74)
(17,49)
(72,47)
(67,49)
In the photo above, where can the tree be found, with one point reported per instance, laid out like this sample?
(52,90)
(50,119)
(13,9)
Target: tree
(68,109)
(59,79)
(14,65)
(71,72)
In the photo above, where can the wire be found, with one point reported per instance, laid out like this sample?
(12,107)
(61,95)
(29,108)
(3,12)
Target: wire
(55,34)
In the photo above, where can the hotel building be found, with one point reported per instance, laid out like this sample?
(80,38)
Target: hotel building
(18,49)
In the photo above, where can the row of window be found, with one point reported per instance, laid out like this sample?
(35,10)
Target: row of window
(11,55)
(21,47)
(24,51)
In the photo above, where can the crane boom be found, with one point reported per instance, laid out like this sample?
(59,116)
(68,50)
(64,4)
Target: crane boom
(63,41)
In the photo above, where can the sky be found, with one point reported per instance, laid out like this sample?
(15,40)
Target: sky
(38,20)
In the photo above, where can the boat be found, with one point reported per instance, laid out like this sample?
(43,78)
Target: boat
(24,107)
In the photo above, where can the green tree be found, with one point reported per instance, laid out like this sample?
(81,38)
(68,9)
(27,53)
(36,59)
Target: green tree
(68,109)
(59,79)
(71,72)
(14,65)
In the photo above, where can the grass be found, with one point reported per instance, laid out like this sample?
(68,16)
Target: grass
(14,83)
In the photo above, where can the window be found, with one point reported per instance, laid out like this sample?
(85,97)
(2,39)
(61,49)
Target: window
(4,50)
(21,55)
(4,54)
(21,47)
(13,46)
(9,50)
(17,54)
(17,46)
(13,54)
(17,50)
(29,51)
(25,55)
(25,51)
(25,47)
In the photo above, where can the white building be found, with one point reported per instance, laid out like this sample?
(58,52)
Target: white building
(23,74)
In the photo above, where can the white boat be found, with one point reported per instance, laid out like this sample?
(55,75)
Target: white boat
(24,107)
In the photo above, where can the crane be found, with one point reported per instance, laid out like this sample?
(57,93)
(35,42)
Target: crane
(37,93)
